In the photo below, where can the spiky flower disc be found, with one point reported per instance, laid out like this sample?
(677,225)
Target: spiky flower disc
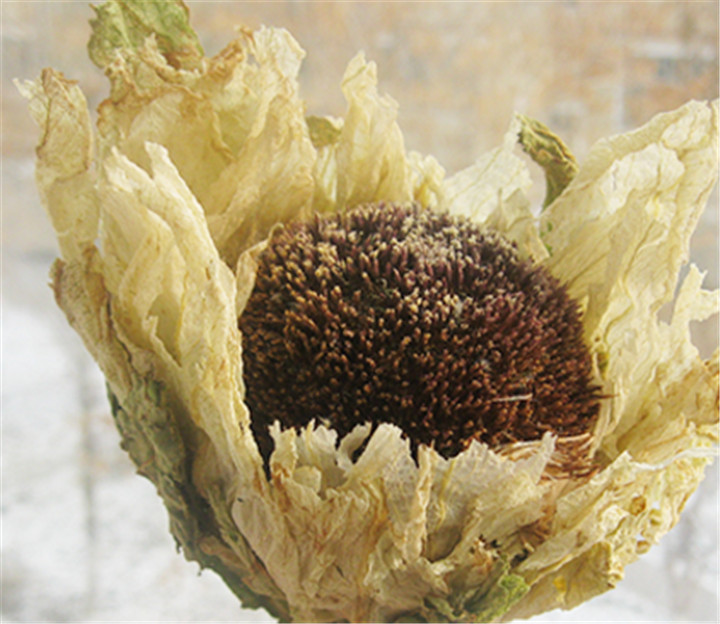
(391,313)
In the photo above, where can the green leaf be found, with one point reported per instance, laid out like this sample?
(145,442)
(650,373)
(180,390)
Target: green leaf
(323,131)
(501,597)
(125,24)
(486,604)
(550,152)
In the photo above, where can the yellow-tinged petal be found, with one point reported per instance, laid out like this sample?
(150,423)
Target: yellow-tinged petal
(370,152)
(173,296)
(493,190)
(619,234)
(362,157)
(271,177)
(426,177)
(624,222)
(234,127)
(153,101)
(417,530)
(680,390)
(64,159)
(494,178)
(603,525)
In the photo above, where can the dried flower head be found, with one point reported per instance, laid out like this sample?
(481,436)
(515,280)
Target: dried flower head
(493,427)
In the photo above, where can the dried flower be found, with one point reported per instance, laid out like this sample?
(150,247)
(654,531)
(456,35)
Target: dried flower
(321,478)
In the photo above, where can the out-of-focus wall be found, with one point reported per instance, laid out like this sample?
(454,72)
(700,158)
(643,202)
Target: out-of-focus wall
(84,539)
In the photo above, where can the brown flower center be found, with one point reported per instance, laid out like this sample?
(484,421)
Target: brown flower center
(393,314)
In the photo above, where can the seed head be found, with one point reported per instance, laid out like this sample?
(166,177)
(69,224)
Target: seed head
(394,314)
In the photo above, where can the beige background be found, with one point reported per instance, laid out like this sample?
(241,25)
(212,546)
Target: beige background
(85,539)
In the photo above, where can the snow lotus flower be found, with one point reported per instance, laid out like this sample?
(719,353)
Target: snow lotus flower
(561,425)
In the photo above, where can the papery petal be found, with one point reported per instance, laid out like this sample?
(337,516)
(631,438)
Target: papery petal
(619,235)
(233,126)
(496,176)
(64,159)
(624,222)
(493,192)
(370,151)
(174,295)
(419,529)
(153,101)
(271,177)
(601,526)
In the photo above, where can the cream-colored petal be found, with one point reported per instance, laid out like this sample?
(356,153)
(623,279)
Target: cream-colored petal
(173,296)
(64,172)
(271,177)
(679,390)
(603,525)
(152,101)
(418,529)
(234,128)
(625,220)
(619,235)
(492,192)
(271,181)
(370,151)
(426,179)
(475,192)
(513,218)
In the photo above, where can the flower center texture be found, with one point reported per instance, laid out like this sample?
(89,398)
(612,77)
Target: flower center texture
(394,314)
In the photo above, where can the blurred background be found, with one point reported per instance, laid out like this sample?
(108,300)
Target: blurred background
(83,538)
